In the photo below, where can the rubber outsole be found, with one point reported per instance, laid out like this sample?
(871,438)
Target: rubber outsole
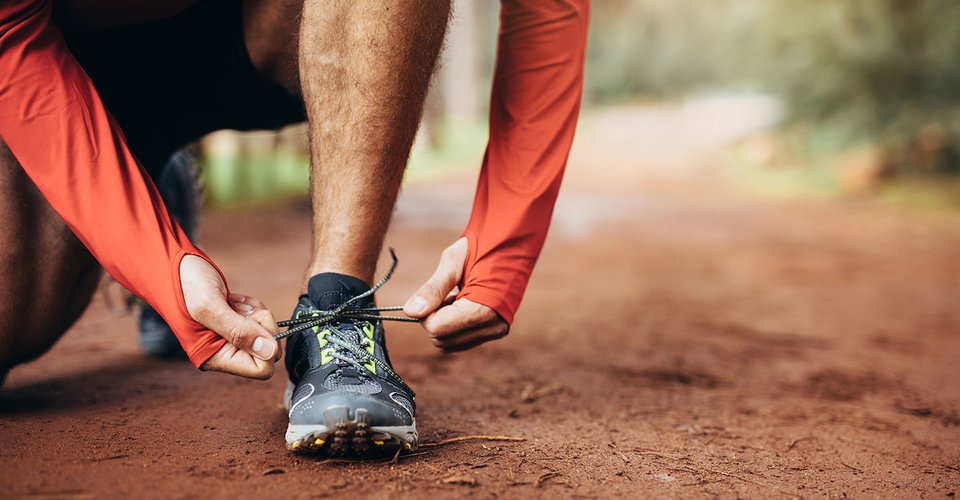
(347,432)
(350,438)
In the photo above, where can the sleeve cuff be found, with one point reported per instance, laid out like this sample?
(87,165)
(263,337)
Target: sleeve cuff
(489,299)
(197,341)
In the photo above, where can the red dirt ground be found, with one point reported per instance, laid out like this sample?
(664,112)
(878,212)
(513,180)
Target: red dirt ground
(679,339)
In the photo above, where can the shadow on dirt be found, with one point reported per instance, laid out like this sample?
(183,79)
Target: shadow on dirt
(124,382)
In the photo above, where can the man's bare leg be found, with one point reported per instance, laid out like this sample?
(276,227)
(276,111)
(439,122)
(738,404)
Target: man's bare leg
(48,276)
(364,70)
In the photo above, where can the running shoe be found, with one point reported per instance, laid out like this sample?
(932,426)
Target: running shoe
(343,396)
(179,187)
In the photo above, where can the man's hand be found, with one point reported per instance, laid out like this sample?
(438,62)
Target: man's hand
(244,322)
(453,325)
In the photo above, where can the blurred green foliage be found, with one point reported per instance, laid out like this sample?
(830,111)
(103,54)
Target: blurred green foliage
(855,75)
(878,71)
(254,167)
(852,72)
(666,49)
(259,167)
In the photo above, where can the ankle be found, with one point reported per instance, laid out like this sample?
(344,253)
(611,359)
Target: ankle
(365,276)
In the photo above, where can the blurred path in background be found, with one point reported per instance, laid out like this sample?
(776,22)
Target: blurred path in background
(679,338)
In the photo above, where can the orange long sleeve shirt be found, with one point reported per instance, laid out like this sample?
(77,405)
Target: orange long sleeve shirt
(54,122)
(57,127)
(534,107)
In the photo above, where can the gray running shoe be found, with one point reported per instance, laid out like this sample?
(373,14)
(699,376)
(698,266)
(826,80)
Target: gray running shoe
(343,396)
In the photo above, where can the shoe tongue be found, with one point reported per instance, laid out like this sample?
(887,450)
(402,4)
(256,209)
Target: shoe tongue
(329,290)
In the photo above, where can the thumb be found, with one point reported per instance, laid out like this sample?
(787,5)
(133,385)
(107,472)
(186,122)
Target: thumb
(430,296)
(243,332)
(255,310)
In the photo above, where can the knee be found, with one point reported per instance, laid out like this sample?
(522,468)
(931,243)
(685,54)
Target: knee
(271,32)
(48,276)
(29,329)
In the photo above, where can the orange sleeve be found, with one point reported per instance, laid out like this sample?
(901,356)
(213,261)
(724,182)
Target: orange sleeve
(55,124)
(535,103)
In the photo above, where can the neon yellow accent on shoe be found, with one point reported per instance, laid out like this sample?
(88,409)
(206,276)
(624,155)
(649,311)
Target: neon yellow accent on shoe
(301,314)
(368,330)
(325,356)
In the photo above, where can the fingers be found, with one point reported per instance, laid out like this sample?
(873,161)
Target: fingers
(469,339)
(234,357)
(464,324)
(243,321)
(452,296)
(453,325)
(205,296)
(255,310)
(235,323)
(231,360)
(431,295)
(462,315)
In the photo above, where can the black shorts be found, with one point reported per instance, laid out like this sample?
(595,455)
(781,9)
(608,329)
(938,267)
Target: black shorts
(170,82)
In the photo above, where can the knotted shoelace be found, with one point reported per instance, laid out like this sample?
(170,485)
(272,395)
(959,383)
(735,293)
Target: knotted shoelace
(339,337)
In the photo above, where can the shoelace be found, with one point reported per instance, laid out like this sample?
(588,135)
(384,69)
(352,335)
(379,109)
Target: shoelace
(346,312)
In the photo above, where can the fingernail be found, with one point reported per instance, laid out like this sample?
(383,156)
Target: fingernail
(262,350)
(236,298)
(244,308)
(419,304)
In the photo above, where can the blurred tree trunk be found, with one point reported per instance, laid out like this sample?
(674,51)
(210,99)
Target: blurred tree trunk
(453,95)
(459,75)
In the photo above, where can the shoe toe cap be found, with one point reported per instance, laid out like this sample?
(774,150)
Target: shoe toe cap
(332,407)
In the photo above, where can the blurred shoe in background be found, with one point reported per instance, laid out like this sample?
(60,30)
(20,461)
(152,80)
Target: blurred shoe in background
(180,188)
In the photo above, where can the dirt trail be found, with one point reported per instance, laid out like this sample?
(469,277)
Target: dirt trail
(678,339)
